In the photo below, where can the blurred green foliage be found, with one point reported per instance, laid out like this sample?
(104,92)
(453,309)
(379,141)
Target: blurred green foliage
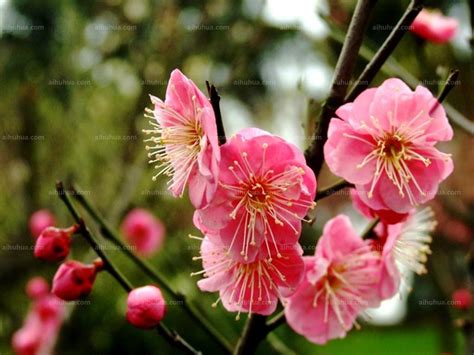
(75,77)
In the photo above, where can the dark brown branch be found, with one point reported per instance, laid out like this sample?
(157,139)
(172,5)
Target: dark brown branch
(170,335)
(368,232)
(254,332)
(214,98)
(385,50)
(332,189)
(450,83)
(344,68)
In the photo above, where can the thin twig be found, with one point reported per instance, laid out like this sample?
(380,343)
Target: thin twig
(276,321)
(214,98)
(449,84)
(254,332)
(170,335)
(343,71)
(369,230)
(332,189)
(154,274)
(385,50)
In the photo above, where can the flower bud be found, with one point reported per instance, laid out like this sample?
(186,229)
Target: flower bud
(74,280)
(143,231)
(37,287)
(145,307)
(26,341)
(53,243)
(40,220)
(462,298)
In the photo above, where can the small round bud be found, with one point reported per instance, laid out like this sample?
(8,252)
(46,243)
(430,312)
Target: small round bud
(146,307)
(74,280)
(53,244)
(143,231)
(40,220)
(462,298)
(37,287)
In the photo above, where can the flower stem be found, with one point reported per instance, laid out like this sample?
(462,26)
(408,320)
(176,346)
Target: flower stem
(170,335)
(385,50)
(342,74)
(214,98)
(154,274)
(449,84)
(332,189)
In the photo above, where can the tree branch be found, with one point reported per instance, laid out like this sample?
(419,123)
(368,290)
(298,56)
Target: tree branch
(344,68)
(449,84)
(254,332)
(332,189)
(385,50)
(154,274)
(214,98)
(171,336)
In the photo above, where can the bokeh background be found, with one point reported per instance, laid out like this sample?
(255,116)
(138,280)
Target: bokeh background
(74,80)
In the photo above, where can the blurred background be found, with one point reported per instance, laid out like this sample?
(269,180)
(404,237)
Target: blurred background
(74,79)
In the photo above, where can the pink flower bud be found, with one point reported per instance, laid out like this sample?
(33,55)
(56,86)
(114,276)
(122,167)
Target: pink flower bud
(74,280)
(26,341)
(39,221)
(53,243)
(462,298)
(145,307)
(143,231)
(49,307)
(37,287)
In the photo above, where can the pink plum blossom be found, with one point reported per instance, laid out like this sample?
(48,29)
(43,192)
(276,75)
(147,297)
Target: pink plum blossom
(403,247)
(386,216)
(265,191)
(39,220)
(339,283)
(53,244)
(433,26)
(250,287)
(146,307)
(74,280)
(185,136)
(143,230)
(384,143)
(37,287)
(42,325)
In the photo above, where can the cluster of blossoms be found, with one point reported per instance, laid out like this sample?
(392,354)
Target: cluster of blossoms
(252,194)
(43,322)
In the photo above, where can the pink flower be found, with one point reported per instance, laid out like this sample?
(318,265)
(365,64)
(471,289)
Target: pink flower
(386,216)
(339,284)
(462,298)
(42,324)
(384,144)
(74,280)
(37,287)
(434,27)
(146,307)
(185,136)
(53,243)
(403,247)
(250,287)
(265,190)
(39,220)
(144,231)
